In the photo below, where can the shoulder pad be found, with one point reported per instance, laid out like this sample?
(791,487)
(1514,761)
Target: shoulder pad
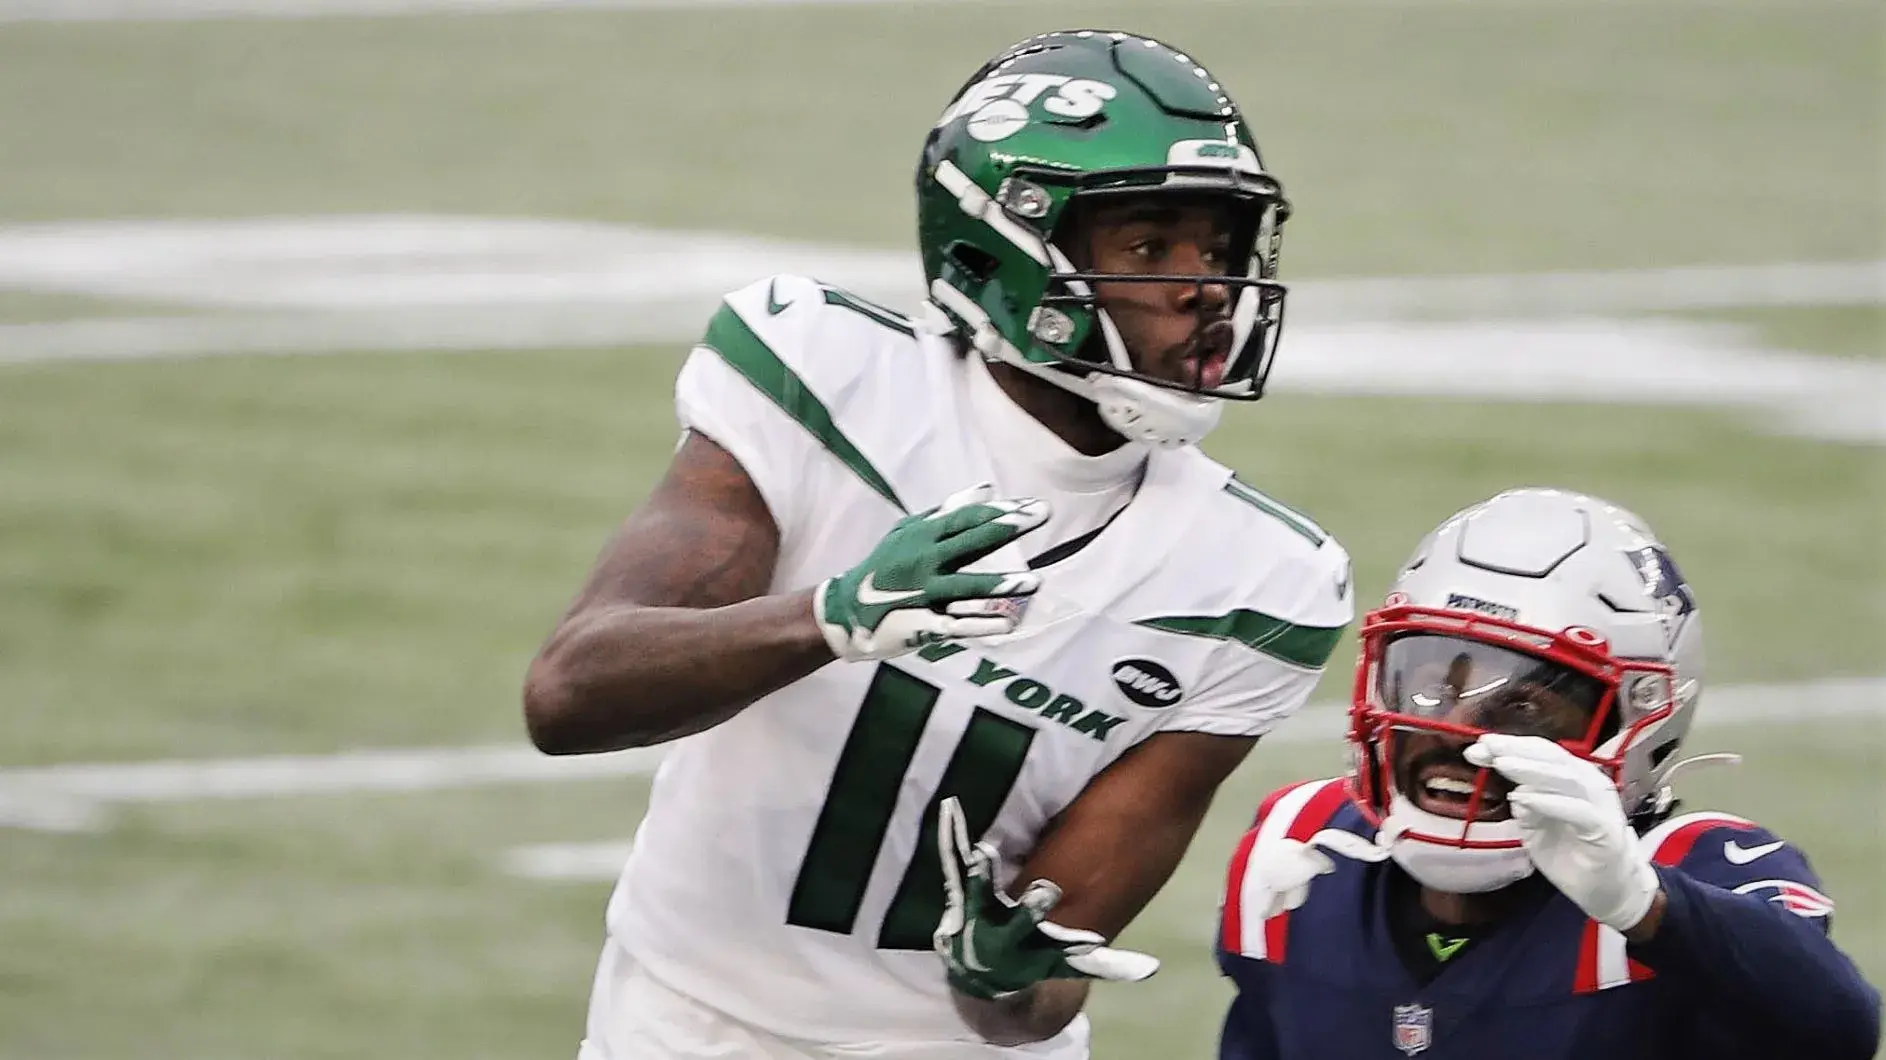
(1739,855)
(1291,607)
(817,331)
(828,362)
(1270,511)
(1295,812)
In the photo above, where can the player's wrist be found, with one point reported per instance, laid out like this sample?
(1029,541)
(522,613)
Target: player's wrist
(1641,892)
(1647,925)
(1033,1014)
(836,635)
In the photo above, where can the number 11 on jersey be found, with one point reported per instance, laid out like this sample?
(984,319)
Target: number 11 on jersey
(863,796)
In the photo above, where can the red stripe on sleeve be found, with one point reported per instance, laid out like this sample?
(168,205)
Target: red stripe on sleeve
(1677,845)
(1315,814)
(1231,929)
(1586,979)
(1264,808)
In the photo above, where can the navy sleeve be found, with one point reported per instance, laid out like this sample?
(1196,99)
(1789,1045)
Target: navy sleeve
(1748,938)
(1248,1033)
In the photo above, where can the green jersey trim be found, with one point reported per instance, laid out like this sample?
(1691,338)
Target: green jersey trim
(1296,521)
(730,337)
(1305,646)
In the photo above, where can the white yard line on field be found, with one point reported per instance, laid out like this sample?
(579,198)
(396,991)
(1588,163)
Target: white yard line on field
(540,269)
(78,797)
(421,282)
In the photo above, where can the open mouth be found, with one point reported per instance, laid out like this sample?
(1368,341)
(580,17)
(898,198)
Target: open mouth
(1446,790)
(1210,355)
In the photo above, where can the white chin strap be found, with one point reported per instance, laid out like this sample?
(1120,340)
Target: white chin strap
(1137,411)
(1453,869)
(1153,415)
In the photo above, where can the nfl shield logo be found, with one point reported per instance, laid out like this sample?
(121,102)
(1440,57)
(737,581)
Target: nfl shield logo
(1414,1028)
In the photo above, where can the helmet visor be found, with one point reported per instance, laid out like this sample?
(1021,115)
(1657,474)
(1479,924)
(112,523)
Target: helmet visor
(1480,687)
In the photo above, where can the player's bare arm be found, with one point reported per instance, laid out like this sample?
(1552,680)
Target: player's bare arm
(673,633)
(1110,852)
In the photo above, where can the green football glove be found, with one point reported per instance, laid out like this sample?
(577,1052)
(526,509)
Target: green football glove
(911,590)
(993,945)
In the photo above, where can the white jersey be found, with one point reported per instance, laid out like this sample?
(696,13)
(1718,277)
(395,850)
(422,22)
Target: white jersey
(786,873)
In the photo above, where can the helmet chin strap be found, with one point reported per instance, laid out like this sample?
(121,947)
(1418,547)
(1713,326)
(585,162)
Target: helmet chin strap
(1153,415)
(1444,867)
(1136,410)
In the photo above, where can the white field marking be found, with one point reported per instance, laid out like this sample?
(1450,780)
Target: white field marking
(178,10)
(418,262)
(75,797)
(78,797)
(1831,700)
(416,282)
(1646,362)
(568,861)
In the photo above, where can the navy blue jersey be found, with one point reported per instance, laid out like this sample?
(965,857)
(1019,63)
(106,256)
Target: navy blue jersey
(1742,965)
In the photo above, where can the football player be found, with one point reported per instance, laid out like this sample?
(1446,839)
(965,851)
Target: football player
(1501,874)
(970,560)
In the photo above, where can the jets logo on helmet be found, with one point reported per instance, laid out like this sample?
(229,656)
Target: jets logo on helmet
(999,106)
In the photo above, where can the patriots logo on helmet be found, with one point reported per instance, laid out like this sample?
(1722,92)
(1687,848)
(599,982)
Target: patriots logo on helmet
(1665,584)
(1796,898)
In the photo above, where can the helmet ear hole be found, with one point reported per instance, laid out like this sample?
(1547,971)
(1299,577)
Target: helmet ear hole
(977,264)
(1658,754)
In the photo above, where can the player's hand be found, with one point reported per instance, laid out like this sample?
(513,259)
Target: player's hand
(1572,823)
(1281,870)
(911,590)
(993,945)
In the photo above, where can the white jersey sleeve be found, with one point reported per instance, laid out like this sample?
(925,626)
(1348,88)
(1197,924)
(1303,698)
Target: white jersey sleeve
(768,384)
(714,400)
(1278,631)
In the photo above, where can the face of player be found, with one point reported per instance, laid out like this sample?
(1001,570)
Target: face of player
(1180,332)
(1482,688)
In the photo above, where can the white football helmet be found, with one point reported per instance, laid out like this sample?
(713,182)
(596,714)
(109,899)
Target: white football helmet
(1540,612)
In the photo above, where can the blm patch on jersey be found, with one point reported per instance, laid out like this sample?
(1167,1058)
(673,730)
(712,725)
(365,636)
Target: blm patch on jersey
(1462,601)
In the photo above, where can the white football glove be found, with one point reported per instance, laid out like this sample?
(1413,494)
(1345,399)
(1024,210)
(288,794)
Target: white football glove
(1572,823)
(1284,868)
(912,589)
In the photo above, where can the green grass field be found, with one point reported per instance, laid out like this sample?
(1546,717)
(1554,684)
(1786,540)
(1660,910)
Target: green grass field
(301,554)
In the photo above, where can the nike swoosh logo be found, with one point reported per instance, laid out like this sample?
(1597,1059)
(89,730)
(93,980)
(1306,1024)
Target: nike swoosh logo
(1444,950)
(774,306)
(1736,854)
(871,596)
(970,960)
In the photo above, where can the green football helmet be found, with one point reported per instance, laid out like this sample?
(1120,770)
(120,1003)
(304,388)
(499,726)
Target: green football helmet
(1064,119)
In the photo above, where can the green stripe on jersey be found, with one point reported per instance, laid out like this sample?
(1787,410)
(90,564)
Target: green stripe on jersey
(746,353)
(1297,522)
(889,318)
(1306,646)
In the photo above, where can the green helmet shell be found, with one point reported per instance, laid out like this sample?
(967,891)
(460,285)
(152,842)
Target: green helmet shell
(1068,117)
